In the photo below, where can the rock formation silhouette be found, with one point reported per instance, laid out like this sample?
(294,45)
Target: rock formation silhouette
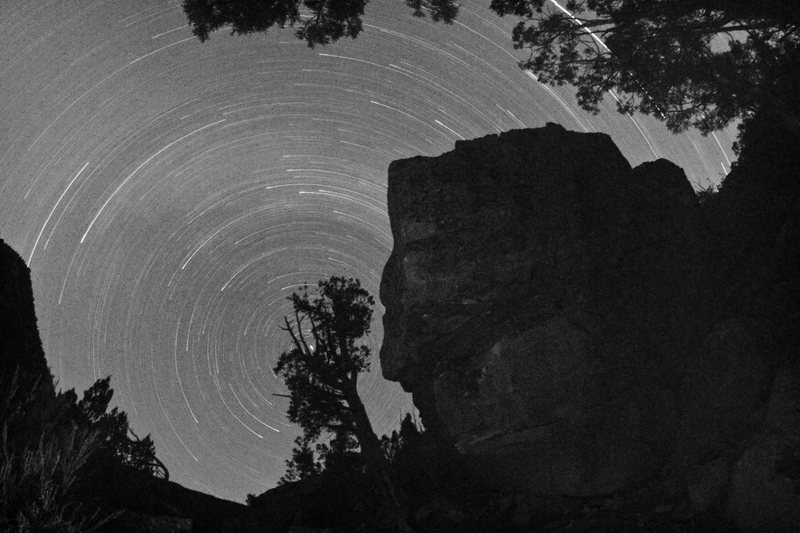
(20,345)
(570,325)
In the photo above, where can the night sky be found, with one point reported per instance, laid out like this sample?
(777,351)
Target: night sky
(168,195)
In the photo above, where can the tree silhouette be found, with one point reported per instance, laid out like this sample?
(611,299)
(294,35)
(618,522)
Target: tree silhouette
(323,21)
(317,21)
(303,464)
(700,63)
(120,443)
(321,372)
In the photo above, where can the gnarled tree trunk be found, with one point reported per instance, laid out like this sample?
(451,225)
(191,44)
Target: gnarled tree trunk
(376,463)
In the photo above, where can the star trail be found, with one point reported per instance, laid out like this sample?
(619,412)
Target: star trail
(168,195)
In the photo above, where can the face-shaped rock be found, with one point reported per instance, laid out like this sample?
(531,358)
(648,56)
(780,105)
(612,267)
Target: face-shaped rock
(518,306)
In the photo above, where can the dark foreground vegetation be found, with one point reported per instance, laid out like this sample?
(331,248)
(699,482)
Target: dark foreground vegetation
(70,464)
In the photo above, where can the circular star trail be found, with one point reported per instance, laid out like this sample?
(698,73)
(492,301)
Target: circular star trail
(169,195)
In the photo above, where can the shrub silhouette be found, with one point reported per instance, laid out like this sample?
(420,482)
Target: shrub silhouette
(44,460)
(59,456)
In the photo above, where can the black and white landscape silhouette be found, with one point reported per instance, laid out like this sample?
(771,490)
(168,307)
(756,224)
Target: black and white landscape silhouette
(513,265)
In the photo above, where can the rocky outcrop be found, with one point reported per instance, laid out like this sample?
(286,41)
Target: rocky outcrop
(546,306)
(20,345)
(761,497)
